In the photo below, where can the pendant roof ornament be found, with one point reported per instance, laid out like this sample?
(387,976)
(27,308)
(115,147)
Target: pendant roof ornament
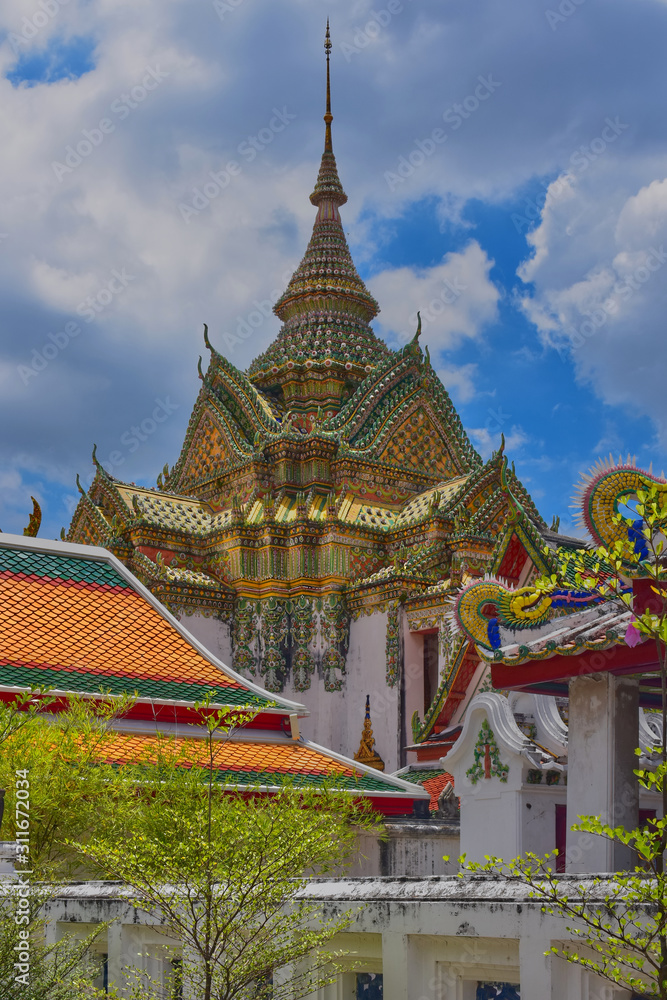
(326,308)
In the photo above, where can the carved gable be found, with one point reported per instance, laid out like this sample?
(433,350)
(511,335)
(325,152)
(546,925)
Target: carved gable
(418,444)
(209,452)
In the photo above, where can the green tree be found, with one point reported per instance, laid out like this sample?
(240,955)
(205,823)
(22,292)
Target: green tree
(223,870)
(619,922)
(45,768)
(61,757)
(31,969)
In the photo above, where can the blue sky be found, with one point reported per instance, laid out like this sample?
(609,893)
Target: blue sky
(506,168)
(61,59)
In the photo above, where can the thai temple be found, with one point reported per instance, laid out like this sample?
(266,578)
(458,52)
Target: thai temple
(323,508)
(330,548)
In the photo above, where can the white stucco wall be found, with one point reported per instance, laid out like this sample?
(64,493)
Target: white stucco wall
(213,633)
(337,717)
(603,733)
(431,939)
(413,673)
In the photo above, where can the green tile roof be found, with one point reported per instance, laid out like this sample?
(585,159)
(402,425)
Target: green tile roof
(72,680)
(52,566)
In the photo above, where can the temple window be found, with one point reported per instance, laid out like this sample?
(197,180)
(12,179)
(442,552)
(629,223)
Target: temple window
(369,986)
(498,991)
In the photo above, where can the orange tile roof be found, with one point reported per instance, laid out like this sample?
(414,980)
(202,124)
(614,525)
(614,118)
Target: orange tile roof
(76,624)
(248,763)
(434,787)
(287,758)
(432,779)
(102,631)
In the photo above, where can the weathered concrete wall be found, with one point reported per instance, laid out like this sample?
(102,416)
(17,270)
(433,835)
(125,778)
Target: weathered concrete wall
(410,847)
(212,633)
(433,938)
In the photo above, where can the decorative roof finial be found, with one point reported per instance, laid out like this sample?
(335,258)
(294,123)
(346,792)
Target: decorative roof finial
(35,520)
(325,322)
(328,117)
(328,187)
(366,754)
(419,329)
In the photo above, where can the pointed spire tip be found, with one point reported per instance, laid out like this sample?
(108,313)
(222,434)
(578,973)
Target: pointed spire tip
(328,117)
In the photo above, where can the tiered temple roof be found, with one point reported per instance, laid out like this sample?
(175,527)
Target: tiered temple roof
(75,621)
(331,480)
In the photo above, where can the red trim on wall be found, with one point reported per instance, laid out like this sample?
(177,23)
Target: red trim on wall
(619,659)
(561,836)
(152,711)
(391,807)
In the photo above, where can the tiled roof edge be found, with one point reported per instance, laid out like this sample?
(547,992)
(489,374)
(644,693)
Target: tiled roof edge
(395,785)
(103,555)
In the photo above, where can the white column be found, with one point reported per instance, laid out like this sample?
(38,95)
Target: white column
(603,734)
(535,968)
(115,955)
(395,966)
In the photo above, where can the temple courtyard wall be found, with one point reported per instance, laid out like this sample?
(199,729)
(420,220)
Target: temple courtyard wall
(436,938)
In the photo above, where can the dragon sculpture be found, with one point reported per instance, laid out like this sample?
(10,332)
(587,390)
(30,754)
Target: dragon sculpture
(609,490)
(486,606)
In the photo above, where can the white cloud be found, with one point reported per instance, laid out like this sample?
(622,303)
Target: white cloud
(459,380)
(643,218)
(456,299)
(488,439)
(598,291)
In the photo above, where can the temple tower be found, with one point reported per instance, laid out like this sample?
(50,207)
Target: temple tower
(326,346)
(324,505)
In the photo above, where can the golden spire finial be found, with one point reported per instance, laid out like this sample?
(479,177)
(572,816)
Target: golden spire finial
(366,754)
(328,117)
